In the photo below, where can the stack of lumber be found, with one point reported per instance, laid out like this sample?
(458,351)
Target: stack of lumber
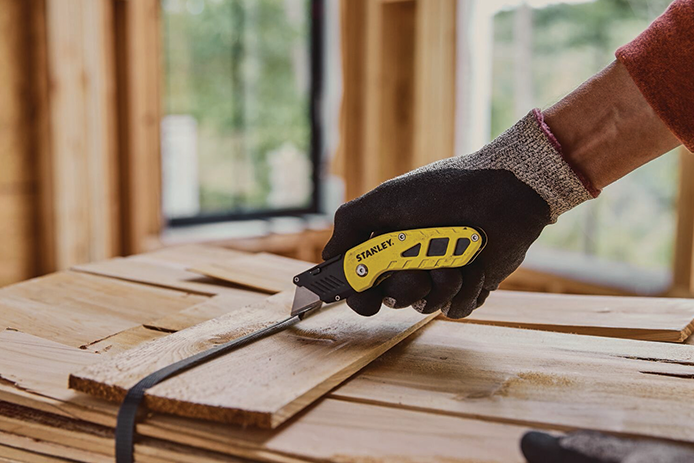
(336,387)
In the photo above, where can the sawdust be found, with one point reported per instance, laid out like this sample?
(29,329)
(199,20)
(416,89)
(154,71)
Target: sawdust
(510,385)
(223,338)
(531,378)
(313,335)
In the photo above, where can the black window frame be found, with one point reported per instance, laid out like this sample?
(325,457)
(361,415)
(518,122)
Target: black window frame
(316,40)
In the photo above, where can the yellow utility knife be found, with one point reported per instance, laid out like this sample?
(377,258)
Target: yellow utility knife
(369,263)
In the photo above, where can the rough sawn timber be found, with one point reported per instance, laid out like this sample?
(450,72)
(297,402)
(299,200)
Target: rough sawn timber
(263,271)
(261,384)
(651,319)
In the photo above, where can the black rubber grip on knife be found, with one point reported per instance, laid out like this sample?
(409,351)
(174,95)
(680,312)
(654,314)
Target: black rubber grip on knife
(127,414)
(326,280)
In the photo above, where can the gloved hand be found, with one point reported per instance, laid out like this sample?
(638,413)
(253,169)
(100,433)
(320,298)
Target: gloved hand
(593,447)
(511,189)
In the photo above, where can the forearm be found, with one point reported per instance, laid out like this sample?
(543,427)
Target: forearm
(607,129)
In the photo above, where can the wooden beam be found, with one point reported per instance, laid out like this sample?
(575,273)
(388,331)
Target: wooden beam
(19,139)
(435,68)
(79,192)
(139,74)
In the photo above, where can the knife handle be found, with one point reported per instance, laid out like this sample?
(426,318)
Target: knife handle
(367,264)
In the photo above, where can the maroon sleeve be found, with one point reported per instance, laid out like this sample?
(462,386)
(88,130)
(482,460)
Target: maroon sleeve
(661,62)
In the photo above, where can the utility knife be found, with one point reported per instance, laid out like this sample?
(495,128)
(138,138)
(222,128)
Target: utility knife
(370,262)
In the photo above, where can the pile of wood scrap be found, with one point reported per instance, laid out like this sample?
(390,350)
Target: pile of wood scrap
(399,386)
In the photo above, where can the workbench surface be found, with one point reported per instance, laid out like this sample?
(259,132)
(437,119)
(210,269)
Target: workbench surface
(450,392)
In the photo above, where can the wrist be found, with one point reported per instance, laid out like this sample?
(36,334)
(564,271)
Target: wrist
(606,128)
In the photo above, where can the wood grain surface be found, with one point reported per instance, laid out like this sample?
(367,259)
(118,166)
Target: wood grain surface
(168,268)
(333,430)
(78,309)
(537,378)
(262,384)
(647,318)
(652,319)
(262,271)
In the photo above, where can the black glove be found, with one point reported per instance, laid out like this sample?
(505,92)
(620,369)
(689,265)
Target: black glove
(511,189)
(593,447)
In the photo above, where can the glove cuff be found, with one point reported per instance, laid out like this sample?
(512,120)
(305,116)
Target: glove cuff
(533,155)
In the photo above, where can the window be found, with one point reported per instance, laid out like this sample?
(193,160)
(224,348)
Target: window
(239,134)
(625,238)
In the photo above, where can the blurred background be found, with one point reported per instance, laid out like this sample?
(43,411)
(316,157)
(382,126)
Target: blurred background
(129,125)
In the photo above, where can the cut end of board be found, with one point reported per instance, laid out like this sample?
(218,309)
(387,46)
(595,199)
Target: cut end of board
(114,393)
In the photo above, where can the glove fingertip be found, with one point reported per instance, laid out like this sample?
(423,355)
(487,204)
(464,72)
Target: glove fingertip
(367,303)
(540,447)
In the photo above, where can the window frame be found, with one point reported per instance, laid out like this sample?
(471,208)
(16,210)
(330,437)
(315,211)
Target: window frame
(316,42)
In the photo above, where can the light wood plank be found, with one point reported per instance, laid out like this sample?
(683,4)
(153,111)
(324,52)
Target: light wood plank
(79,181)
(333,430)
(185,256)
(145,269)
(20,114)
(21,448)
(77,309)
(126,340)
(293,368)
(138,61)
(534,378)
(212,308)
(653,319)
(262,271)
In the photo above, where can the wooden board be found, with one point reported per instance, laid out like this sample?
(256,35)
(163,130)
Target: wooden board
(77,309)
(333,430)
(653,319)
(156,272)
(262,384)
(536,378)
(212,308)
(262,271)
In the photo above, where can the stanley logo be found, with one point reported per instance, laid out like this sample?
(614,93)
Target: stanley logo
(374,250)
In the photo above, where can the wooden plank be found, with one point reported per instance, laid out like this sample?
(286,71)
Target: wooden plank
(293,368)
(19,102)
(74,434)
(20,448)
(78,309)
(212,308)
(262,271)
(137,29)
(185,256)
(534,378)
(652,319)
(434,75)
(333,430)
(80,187)
(125,340)
(167,269)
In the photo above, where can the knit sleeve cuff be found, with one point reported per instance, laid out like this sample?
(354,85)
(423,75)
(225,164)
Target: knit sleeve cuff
(661,63)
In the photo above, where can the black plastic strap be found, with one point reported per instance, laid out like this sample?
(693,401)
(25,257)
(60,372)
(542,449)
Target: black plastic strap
(127,414)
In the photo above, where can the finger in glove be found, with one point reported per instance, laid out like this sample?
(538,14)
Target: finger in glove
(445,284)
(466,300)
(404,288)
